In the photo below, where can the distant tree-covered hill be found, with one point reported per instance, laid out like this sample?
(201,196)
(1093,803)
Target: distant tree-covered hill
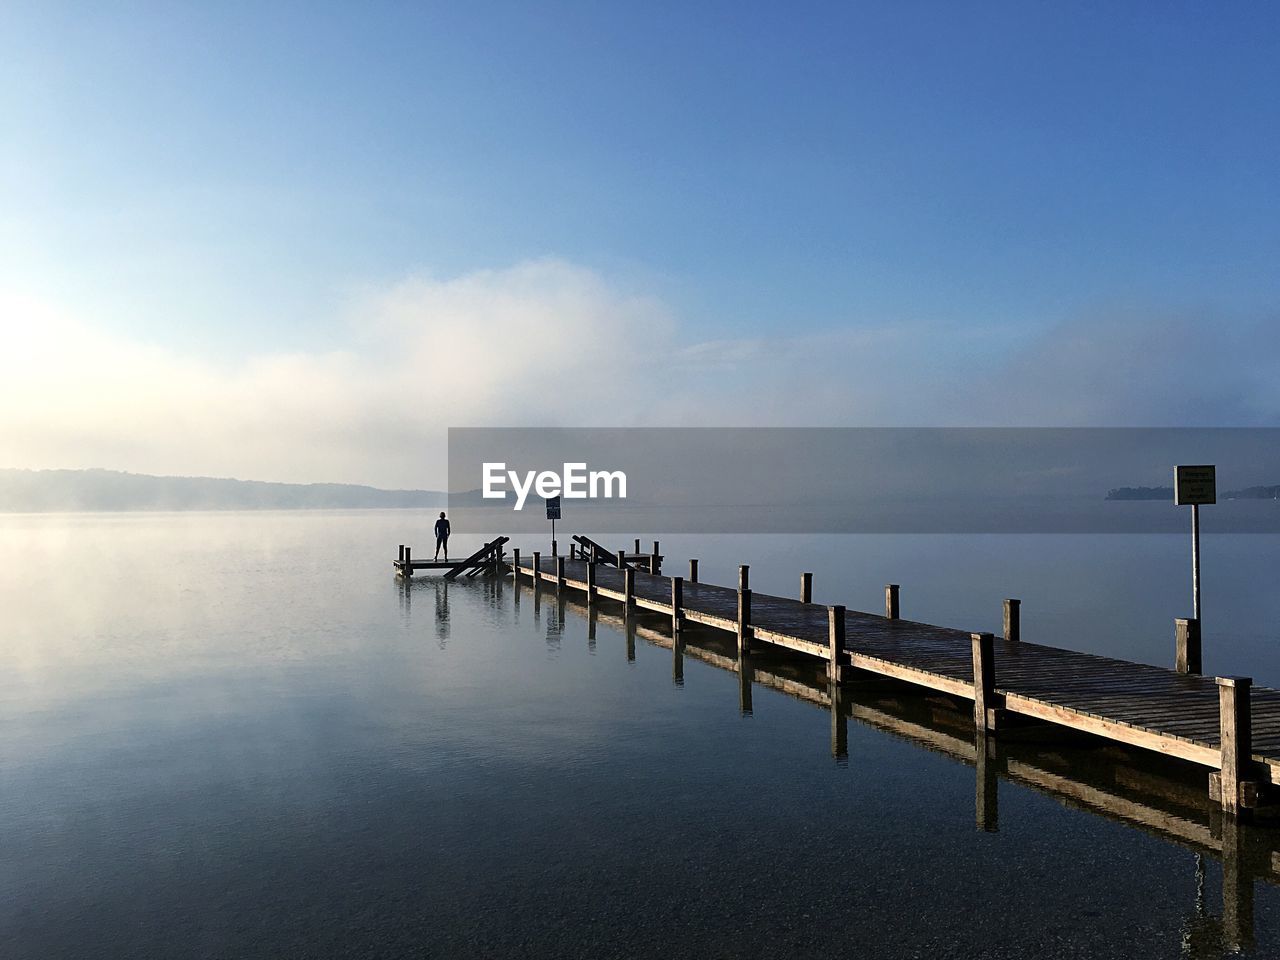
(1166,493)
(1140,493)
(1254,493)
(40,491)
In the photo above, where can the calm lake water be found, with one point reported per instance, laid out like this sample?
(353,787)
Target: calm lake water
(237,735)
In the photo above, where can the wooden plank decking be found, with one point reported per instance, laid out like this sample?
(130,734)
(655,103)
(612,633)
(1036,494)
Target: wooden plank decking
(1136,704)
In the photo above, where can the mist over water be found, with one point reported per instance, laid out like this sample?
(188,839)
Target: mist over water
(239,735)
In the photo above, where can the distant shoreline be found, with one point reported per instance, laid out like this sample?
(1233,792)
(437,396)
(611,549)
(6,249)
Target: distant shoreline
(112,491)
(1166,493)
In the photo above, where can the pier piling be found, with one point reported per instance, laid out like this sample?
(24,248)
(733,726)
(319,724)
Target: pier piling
(1186,634)
(1235,724)
(891,601)
(806,588)
(984,681)
(1013,620)
(835,642)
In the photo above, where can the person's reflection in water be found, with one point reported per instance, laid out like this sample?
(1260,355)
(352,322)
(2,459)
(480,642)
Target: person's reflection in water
(442,611)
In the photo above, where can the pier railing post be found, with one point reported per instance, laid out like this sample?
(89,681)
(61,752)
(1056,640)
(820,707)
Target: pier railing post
(559,573)
(655,560)
(628,588)
(806,588)
(537,567)
(515,563)
(984,680)
(677,603)
(1186,633)
(401,553)
(744,577)
(591,583)
(408,561)
(1236,731)
(1013,620)
(573,551)
(636,551)
(891,601)
(835,642)
(622,559)
(693,571)
(744,621)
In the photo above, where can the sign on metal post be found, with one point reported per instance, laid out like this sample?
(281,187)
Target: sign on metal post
(1194,484)
(553,514)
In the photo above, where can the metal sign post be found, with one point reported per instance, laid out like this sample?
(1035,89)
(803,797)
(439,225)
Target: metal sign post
(553,514)
(1194,485)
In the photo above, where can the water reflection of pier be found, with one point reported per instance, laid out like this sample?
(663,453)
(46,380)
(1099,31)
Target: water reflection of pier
(1163,798)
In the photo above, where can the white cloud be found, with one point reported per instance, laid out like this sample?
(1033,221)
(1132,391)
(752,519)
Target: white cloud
(551,343)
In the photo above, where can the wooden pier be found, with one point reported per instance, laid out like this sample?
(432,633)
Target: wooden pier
(1224,725)
(489,559)
(1122,784)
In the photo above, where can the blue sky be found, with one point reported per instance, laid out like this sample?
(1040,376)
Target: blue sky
(228,181)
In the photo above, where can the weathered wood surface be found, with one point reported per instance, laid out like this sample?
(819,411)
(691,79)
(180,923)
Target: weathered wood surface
(1141,705)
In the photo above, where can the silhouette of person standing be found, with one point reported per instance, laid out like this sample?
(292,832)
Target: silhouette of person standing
(442,536)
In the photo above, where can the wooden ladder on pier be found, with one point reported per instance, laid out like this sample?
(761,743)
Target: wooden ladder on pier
(488,556)
(595,552)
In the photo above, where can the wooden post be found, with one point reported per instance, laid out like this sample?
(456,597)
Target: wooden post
(653,564)
(408,561)
(515,563)
(554,551)
(806,588)
(591,583)
(744,622)
(622,559)
(559,573)
(744,577)
(677,603)
(401,553)
(891,601)
(1186,634)
(835,642)
(573,551)
(537,567)
(1013,619)
(1236,730)
(984,680)
(628,588)
(636,551)
(693,571)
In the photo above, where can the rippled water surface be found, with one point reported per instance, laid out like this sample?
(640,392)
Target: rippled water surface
(237,735)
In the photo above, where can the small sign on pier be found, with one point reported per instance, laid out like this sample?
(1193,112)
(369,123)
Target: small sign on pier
(1195,484)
